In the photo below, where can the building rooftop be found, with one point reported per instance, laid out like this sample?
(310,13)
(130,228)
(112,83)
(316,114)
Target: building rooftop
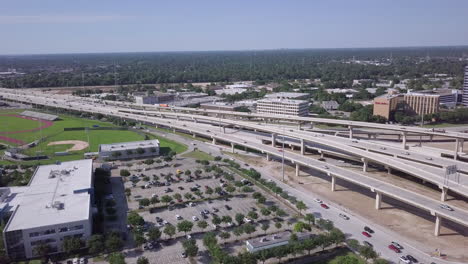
(129,145)
(281,100)
(273,239)
(286,95)
(56,194)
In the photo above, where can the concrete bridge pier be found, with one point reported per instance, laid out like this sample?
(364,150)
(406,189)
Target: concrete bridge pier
(333,183)
(194,135)
(173,130)
(232,147)
(302,147)
(321,154)
(389,170)
(438,222)
(457,148)
(364,164)
(299,125)
(273,140)
(443,194)
(462,143)
(404,139)
(378,200)
(268,158)
(224,130)
(214,141)
(298,167)
(350,132)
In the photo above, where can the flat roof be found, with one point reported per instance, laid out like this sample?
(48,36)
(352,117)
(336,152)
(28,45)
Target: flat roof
(129,145)
(56,194)
(281,100)
(277,238)
(286,95)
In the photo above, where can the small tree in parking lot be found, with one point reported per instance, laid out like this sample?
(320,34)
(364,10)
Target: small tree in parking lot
(154,234)
(185,226)
(301,206)
(239,218)
(202,225)
(190,247)
(224,236)
(310,218)
(124,173)
(169,230)
(144,202)
(166,199)
(367,253)
(226,219)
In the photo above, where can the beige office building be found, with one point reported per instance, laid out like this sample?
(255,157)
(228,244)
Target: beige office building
(422,103)
(283,107)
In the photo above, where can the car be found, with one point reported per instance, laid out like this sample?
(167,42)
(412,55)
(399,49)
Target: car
(404,259)
(247,220)
(206,211)
(396,245)
(364,233)
(412,259)
(158,219)
(317,200)
(446,207)
(367,243)
(192,204)
(215,210)
(392,247)
(180,188)
(429,158)
(184,255)
(210,202)
(164,222)
(345,217)
(324,206)
(368,230)
(227,207)
(159,225)
(75,261)
(194,218)
(230,224)
(188,236)
(178,217)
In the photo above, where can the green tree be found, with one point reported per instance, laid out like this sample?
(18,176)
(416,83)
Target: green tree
(116,258)
(249,228)
(142,260)
(190,247)
(265,212)
(185,226)
(95,244)
(252,215)
(166,199)
(353,244)
(124,173)
(310,218)
(139,239)
(278,225)
(154,234)
(224,236)
(265,227)
(381,261)
(114,243)
(216,220)
(144,202)
(209,240)
(169,230)
(347,259)
(336,236)
(301,206)
(202,225)
(239,218)
(72,244)
(368,253)
(300,226)
(42,250)
(135,219)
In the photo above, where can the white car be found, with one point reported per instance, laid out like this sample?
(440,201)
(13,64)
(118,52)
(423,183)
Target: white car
(194,218)
(446,207)
(404,259)
(230,224)
(178,217)
(247,220)
(188,236)
(345,217)
(317,200)
(75,261)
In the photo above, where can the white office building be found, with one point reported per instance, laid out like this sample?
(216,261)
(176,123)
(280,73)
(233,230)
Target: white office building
(283,107)
(56,205)
(129,150)
(465,88)
(288,95)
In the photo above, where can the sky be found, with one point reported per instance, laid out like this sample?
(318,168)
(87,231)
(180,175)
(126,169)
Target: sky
(86,26)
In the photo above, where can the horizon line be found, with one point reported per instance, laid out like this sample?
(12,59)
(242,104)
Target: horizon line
(235,50)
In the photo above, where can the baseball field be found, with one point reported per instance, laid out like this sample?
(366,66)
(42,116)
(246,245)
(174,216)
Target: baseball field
(16,131)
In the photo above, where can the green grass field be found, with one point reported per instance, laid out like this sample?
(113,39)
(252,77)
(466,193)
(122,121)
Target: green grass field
(200,155)
(96,137)
(11,123)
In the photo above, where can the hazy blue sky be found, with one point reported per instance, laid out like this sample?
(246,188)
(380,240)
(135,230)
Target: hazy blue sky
(58,26)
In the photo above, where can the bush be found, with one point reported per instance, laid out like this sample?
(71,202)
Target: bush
(124,173)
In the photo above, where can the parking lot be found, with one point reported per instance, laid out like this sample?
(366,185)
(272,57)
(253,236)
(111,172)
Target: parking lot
(230,196)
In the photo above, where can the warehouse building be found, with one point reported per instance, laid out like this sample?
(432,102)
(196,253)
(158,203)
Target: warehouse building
(283,107)
(129,150)
(157,98)
(38,115)
(56,205)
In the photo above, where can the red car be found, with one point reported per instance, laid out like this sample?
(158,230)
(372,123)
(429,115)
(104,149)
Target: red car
(324,206)
(364,233)
(392,247)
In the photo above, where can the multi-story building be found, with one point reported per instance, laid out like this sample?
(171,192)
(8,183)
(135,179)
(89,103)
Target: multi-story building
(56,205)
(385,104)
(283,107)
(465,88)
(129,150)
(157,98)
(421,104)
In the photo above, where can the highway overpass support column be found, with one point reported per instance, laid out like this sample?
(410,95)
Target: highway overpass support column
(443,194)
(232,147)
(404,140)
(273,140)
(438,221)
(224,130)
(298,167)
(378,200)
(457,148)
(214,141)
(364,164)
(333,183)
(350,132)
(389,170)
(302,147)
(462,143)
(268,157)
